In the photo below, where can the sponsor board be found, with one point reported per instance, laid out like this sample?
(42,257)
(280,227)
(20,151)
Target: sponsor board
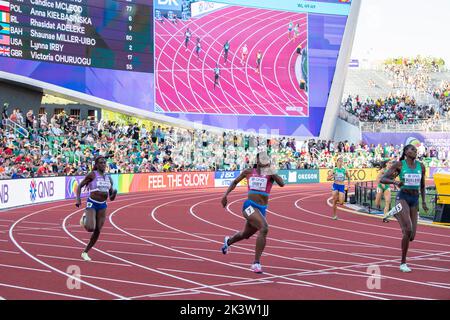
(202,7)
(72,184)
(169,5)
(299,176)
(368,174)
(21,192)
(182,180)
(434,170)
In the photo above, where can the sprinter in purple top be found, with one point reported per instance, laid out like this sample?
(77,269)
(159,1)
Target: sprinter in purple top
(100,187)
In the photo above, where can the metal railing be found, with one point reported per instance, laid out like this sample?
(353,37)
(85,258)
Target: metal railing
(365,194)
(418,126)
(17,128)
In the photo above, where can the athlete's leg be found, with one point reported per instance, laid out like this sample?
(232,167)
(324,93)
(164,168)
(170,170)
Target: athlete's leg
(100,220)
(414,215)
(90,220)
(248,231)
(387,201)
(404,219)
(335,200)
(341,198)
(257,221)
(378,198)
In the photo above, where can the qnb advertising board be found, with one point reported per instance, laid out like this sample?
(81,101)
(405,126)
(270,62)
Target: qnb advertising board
(255,65)
(96,47)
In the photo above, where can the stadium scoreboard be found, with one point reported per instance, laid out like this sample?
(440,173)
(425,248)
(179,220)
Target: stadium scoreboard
(112,34)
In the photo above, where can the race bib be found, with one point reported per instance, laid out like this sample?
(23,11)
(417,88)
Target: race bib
(257,183)
(339,176)
(249,211)
(413,179)
(89,205)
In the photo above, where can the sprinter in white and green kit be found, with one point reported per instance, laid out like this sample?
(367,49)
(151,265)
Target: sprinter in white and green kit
(339,174)
(411,173)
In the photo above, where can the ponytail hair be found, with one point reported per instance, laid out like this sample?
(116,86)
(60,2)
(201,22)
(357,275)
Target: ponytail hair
(404,151)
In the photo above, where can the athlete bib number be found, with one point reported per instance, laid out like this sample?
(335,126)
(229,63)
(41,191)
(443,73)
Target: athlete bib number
(338,176)
(412,179)
(257,183)
(249,211)
(89,205)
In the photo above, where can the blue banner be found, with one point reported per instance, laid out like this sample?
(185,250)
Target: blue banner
(168,5)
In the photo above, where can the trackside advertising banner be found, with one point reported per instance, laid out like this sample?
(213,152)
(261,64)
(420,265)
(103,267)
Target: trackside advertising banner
(22,192)
(355,174)
(299,176)
(224,178)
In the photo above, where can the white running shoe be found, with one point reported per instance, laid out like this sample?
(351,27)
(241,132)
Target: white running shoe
(85,256)
(225,246)
(256,268)
(404,268)
(83,220)
(335,217)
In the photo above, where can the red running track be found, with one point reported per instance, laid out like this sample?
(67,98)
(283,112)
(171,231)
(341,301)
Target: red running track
(166,245)
(186,84)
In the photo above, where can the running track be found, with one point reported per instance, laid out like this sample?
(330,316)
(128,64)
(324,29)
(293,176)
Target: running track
(185,84)
(166,245)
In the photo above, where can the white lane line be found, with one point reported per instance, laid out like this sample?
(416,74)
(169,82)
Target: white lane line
(103,233)
(268,266)
(440,283)
(204,286)
(23,268)
(285,248)
(396,267)
(334,244)
(131,282)
(394,295)
(51,245)
(93,261)
(211,250)
(177,239)
(6,251)
(149,230)
(45,291)
(294,284)
(124,242)
(337,261)
(40,235)
(154,255)
(205,274)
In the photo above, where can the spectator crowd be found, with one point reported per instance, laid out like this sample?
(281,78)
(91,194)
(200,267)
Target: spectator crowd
(64,145)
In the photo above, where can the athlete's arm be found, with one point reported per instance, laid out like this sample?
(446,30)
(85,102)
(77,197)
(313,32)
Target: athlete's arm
(389,176)
(330,175)
(233,185)
(112,191)
(422,188)
(88,179)
(279,180)
(378,180)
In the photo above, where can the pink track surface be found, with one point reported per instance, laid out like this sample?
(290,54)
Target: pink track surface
(166,245)
(186,84)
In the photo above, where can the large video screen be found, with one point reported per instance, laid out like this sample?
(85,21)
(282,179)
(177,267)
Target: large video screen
(97,47)
(261,65)
(233,64)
